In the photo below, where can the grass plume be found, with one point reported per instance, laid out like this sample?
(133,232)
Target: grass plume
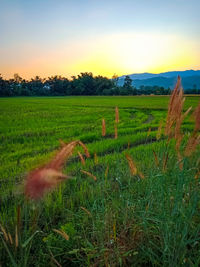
(62,233)
(173,122)
(131,164)
(103,127)
(47,177)
(194,138)
(175,116)
(116,115)
(81,158)
(89,174)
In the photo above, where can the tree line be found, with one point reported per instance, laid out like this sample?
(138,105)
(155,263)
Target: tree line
(82,84)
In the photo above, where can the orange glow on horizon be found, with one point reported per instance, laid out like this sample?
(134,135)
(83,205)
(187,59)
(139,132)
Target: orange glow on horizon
(123,54)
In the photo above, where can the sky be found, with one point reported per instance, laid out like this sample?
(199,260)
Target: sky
(105,37)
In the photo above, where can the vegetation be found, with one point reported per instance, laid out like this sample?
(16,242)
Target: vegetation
(134,202)
(83,84)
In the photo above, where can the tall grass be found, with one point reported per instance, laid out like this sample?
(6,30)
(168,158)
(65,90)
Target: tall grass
(128,206)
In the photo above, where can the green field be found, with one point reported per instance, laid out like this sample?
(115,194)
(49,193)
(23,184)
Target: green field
(118,220)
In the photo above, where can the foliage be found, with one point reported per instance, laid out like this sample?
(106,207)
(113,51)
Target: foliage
(83,84)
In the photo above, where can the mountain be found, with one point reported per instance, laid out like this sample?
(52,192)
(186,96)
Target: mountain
(190,78)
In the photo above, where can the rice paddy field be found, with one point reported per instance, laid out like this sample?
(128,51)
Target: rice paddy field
(118,216)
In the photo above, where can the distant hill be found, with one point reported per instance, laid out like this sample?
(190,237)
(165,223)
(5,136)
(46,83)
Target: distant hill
(165,79)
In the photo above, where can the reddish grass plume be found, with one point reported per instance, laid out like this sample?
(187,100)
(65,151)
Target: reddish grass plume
(47,177)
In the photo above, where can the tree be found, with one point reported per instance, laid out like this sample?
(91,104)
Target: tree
(115,79)
(5,89)
(127,82)
(36,85)
(17,78)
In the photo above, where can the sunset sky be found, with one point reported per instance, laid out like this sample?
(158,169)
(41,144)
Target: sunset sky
(66,37)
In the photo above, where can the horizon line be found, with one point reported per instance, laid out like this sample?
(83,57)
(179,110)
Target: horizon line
(68,77)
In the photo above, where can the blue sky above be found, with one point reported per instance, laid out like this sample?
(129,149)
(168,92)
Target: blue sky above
(63,33)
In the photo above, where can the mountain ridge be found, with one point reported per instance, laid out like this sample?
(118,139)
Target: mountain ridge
(190,79)
(168,74)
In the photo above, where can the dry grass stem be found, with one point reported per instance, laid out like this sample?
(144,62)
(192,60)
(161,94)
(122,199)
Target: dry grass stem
(106,171)
(193,141)
(171,107)
(174,117)
(84,148)
(141,175)
(95,158)
(62,233)
(103,127)
(4,233)
(156,158)
(61,156)
(87,211)
(54,260)
(116,115)
(131,164)
(81,158)
(89,174)
(16,237)
(165,160)
(149,131)
(197,118)
(10,238)
(178,135)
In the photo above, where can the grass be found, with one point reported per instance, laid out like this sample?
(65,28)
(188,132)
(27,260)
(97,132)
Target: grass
(119,219)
